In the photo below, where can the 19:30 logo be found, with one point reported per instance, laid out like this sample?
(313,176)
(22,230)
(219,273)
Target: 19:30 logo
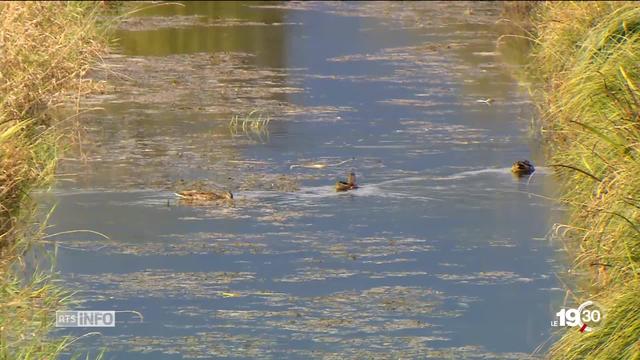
(586,317)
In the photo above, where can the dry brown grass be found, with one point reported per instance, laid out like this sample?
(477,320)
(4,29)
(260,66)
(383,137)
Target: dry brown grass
(588,54)
(45,48)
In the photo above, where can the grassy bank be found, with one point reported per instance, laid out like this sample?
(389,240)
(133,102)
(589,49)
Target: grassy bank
(588,56)
(45,48)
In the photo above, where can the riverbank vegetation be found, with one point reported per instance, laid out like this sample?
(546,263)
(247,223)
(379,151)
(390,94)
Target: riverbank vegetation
(45,49)
(587,54)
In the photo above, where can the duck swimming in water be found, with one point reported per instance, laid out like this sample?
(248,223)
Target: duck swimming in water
(350,184)
(197,195)
(522,167)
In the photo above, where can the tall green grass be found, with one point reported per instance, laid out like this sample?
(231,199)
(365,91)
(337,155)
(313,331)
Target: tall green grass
(588,54)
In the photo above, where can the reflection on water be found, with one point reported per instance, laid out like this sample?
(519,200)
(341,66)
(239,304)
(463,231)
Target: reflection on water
(207,26)
(438,254)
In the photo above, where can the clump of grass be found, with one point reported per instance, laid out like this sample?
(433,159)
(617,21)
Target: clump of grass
(588,56)
(249,123)
(45,49)
(28,316)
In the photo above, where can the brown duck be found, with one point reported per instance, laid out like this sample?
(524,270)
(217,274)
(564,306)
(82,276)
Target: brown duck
(522,167)
(198,195)
(350,184)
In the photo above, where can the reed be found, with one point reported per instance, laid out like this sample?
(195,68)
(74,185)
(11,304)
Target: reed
(258,124)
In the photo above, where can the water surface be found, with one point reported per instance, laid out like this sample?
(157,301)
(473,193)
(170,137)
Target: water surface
(440,254)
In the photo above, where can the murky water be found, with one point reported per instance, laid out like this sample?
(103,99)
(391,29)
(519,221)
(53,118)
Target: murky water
(441,253)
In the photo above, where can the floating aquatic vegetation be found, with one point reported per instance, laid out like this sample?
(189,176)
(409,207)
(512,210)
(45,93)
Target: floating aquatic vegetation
(180,117)
(159,284)
(486,278)
(367,248)
(177,245)
(224,344)
(319,274)
(281,218)
(198,346)
(256,181)
(405,16)
(145,80)
(406,54)
(148,23)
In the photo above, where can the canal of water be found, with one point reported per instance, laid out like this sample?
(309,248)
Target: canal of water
(441,253)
